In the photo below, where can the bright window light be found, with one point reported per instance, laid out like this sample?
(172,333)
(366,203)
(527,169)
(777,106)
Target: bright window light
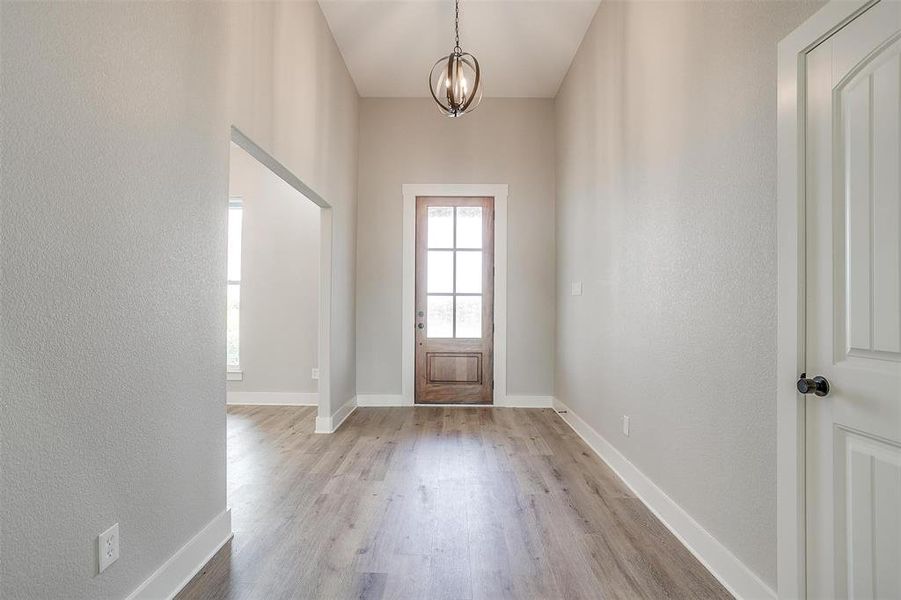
(233,296)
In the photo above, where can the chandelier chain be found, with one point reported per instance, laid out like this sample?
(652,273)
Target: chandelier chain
(455,81)
(457,25)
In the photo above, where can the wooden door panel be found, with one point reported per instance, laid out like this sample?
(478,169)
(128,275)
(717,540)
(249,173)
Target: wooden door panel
(454,367)
(454,300)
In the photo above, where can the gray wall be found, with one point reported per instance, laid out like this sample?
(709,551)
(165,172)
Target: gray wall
(504,141)
(666,179)
(279,281)
(115,130)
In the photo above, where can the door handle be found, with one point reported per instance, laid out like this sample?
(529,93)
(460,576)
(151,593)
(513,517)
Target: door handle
(420,325)
(817,386)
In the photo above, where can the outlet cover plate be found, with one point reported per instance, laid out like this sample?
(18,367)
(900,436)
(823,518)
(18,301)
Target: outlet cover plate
(108,547)
(625,425)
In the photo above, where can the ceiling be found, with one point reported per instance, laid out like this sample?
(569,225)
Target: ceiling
(524,47)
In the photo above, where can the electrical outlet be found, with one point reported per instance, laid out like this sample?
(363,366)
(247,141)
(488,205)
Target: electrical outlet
(576,289)
(315,373)
(626,425)
(108,546)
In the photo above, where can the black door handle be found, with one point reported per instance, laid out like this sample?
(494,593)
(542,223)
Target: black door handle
(818,385)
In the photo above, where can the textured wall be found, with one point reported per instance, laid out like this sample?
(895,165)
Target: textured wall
(504,141)
(666,179)
(115,130)
(279,280)
(115,158)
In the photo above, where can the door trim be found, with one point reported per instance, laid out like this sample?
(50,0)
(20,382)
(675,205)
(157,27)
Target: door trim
(791,559)
(408,298)
(325,415)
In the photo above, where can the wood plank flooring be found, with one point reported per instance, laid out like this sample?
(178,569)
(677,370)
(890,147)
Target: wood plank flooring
(427,502)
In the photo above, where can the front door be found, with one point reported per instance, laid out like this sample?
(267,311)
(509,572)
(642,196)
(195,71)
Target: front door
(454,300)
(853,339)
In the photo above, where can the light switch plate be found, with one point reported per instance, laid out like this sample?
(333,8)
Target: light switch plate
(577,288)
(626,425)
(108,547)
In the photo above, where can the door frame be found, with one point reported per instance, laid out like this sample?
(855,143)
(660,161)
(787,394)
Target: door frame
(408,297)
(791,535)
(325,421)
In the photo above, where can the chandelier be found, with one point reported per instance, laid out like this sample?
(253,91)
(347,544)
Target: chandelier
(455,81)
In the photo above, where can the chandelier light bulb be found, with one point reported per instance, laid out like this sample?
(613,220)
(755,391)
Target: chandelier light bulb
(449,80)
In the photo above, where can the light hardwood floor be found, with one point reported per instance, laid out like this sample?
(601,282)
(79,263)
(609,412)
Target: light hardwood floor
(432,502)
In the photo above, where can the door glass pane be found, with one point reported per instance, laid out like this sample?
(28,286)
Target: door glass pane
(232,324)
(441,227)
(469,227)
(469,272)
(440,275)
(235,217)
(469,316)
(440,317)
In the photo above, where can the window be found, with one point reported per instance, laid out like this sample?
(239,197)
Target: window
(233,295)
(454,272)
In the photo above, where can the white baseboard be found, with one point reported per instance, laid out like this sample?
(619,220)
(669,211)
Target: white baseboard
(332,423)
(507,402)
(725,566)
(382,400)
(176,572)
(515,401)
(273,398)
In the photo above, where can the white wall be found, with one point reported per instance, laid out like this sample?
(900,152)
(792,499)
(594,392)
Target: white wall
(279,281)
(503,141)
(115,137)
(666,178)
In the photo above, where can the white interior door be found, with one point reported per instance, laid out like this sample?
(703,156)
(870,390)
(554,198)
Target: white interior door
(854,309)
